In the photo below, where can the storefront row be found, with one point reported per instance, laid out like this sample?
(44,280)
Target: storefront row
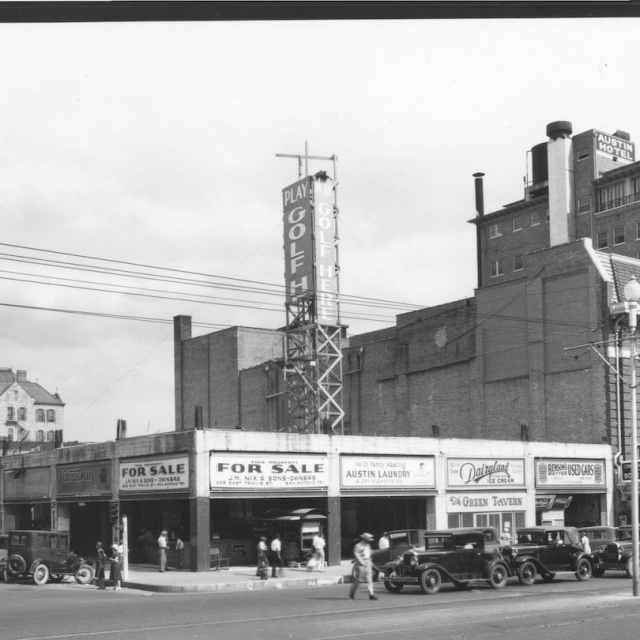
(218,491)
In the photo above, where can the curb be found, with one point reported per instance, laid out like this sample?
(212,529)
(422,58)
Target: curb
(254,585)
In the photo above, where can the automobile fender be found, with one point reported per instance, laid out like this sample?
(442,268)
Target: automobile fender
(388,567)
(578,556)
(35,563)
(502,562)
(538,565)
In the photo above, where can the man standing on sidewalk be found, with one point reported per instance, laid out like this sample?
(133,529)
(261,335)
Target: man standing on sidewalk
(163,544)
(362,556)
(276,556)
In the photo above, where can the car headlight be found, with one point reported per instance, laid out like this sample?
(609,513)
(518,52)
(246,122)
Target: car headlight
(413,561)
(601,549)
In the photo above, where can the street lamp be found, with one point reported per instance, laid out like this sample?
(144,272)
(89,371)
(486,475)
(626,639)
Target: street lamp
(632,296)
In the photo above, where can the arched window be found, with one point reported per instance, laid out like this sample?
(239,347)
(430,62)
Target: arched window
(50,435)
(10,435)
(40,435)
(22,413)
(51,415)
(40,415)
(10,414)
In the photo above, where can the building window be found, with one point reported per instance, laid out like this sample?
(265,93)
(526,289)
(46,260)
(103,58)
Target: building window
(635,185)
(10,414)
(22,414)
(518,263)
(637,230)
(10,435)
(602,240)
(535,218)
(583,153)
(610,196)
(50,435)
(40,435)
(496,268)
(618,235)
(494,230)
(584,204)
(517,223)
(39,415)
(51,415)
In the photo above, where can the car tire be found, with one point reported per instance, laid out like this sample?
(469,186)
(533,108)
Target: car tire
(583,569)
(41,574)
(527,574)
(498,576)
(430,581)
(629,567)
(16,565)
(84,575)
(598,572)
(391,586)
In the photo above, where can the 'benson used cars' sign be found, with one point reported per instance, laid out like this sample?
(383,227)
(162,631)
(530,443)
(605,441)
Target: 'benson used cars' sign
(267,471)
(154,474)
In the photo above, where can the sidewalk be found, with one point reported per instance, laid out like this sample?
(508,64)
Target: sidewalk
(148,578)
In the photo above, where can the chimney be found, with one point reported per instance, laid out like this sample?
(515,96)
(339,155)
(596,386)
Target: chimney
(21,376)
(560,168)
(479,185)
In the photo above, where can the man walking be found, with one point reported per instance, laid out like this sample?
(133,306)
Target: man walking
(163,544)
(276,556)
(362,556)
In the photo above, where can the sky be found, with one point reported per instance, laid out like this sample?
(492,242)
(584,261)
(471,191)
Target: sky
(150,148)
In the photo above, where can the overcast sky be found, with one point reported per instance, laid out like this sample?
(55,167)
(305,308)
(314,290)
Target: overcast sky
(156,143)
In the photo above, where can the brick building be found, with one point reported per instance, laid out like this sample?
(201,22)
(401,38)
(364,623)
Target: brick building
(30,412)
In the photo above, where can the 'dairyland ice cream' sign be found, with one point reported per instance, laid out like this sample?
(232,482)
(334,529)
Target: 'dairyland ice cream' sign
(310,245)
(359,472)
(497,473)
(154,474)
(87,478)
(267,471)
(579,474)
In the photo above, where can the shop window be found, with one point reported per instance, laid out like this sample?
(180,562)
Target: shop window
(51,415)
(39,415)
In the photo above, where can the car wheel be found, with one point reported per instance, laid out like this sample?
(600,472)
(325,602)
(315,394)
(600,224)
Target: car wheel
(16,564)
(583,570)
(430,581)
(391,586)
(548,577)
(9,577)
(629,567)
(598,572)
(41,574)
(527,573)
(84,575)
(498,576)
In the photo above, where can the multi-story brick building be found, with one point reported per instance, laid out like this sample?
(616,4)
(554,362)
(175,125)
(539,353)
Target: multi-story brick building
(31,413)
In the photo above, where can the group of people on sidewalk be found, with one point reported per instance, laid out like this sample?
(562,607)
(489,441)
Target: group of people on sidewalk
(116,560)
(271,556)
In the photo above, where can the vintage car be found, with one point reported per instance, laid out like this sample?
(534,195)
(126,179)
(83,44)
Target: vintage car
(611,549)
(44,555)
(400,540)
(547,551)
(4,544)
(459,556)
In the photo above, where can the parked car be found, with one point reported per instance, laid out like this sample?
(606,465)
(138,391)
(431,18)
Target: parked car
(400,540)
(548,551)
(459,556)
(4,544)
(44,555)
(611,549)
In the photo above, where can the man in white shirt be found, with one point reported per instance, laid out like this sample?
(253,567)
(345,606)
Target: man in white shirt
(163,545)
(276,556)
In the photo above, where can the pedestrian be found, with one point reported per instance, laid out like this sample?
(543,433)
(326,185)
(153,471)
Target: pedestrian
(263,562)
(163,545)
(362,557)
(383,543)
(179,552)
(101,560)
(319,543)
(585,542)
(505,536)
(276,556)
(116,566)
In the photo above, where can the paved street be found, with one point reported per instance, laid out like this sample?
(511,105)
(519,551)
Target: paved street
(569,609)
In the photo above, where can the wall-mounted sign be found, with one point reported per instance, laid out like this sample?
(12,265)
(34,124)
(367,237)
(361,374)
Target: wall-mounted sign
(615,147)
(27,483)
(267,471)
(373,472)
(86,478)
(154,474)
(477,502)
(480,473)
(561,473)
